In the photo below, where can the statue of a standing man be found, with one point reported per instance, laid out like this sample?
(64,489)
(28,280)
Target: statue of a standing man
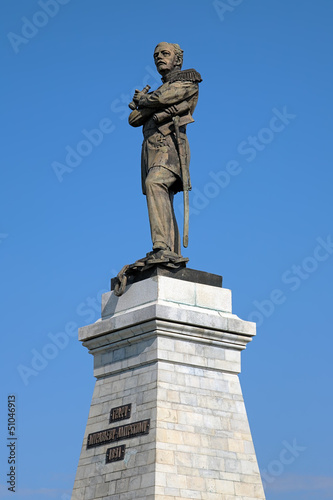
(165,159)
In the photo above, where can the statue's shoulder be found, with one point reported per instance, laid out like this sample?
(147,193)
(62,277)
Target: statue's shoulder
(186,75)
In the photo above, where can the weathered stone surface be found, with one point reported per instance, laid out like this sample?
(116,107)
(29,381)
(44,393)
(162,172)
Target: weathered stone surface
(172,349)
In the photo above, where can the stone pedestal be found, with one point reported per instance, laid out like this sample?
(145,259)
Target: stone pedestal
(167,358)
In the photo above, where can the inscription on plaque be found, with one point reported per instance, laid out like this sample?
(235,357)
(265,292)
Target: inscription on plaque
(115,454)
(118,433)
(120,413)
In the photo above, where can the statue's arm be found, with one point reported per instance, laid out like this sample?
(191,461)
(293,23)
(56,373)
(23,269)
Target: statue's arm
(167,95)
(139,116)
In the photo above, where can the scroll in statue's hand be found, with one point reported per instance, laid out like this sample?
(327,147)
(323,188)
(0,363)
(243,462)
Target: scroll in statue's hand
(137,95)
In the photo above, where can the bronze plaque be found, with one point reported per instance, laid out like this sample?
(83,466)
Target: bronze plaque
(120,413)
(115,454)
(118,433)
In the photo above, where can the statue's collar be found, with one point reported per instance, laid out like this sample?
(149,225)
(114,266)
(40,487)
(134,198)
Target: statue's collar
(171,75)
(186,75)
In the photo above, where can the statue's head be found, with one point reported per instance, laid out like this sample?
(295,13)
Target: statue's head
(168,56)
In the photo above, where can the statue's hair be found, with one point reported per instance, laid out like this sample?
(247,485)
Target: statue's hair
(177,50)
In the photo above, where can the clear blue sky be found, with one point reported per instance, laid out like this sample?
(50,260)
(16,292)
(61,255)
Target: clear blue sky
(261,212)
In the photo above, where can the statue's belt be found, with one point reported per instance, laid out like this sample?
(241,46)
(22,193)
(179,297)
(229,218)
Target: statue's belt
(152,128)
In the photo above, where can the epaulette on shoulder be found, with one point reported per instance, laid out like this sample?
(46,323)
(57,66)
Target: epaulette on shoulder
(186,75)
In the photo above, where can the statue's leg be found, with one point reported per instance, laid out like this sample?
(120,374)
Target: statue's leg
(163,224)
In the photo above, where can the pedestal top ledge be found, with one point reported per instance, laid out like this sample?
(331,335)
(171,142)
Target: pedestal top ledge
(188,304)
(182,273)
(185,287)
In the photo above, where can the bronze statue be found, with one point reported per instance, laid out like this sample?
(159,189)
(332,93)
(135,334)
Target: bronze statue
(165,158)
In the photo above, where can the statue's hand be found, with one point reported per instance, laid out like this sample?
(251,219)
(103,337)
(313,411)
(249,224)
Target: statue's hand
(137,95)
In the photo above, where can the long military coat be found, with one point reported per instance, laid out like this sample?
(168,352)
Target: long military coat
(159,149)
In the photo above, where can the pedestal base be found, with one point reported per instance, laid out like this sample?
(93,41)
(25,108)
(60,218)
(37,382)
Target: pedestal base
(167,419)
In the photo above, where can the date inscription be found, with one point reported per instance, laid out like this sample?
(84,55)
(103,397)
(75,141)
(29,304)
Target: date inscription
(115,454)
(120,413)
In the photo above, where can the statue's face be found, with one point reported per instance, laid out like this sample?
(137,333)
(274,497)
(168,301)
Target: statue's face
(165,58)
